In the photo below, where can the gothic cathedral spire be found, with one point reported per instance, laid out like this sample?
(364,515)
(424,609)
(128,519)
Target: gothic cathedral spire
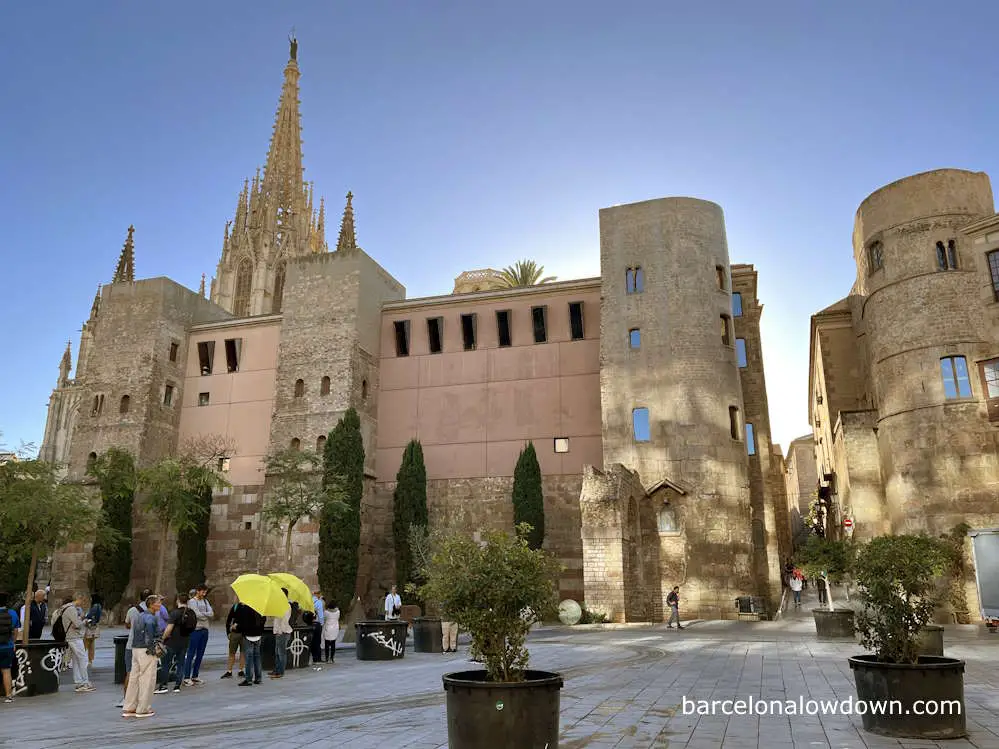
(274,218)
(126,261)
(66,364)
(347,241)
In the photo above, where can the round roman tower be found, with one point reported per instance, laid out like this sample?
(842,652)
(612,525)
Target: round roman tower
(919,280)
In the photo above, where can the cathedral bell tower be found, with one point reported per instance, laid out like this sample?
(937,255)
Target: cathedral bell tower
(275,220)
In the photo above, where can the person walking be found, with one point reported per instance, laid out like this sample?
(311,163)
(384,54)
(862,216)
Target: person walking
(145,646)
(251,625)
(235,643)
(393,606)
(795,584)
(282,633)
(199,639)
(93,626)
(10,625)
(331,631)
(176,639)
(673,601)
(75,627)
(316,643)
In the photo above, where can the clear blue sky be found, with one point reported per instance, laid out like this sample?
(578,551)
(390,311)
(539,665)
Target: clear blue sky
(471,136)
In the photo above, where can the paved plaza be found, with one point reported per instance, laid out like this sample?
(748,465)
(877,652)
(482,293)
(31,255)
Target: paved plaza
(623,689)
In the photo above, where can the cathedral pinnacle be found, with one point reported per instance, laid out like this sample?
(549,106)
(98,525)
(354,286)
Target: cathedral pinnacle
(347,241)
(66,364)
(201,289)
(126,261)
(96,306)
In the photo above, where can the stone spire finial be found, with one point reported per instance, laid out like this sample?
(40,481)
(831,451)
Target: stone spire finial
(96,306)
(201,289)
(347,241)
(283,174)
(66,364)
(126,261)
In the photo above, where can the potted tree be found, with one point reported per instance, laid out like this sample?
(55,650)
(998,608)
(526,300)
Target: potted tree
(823,558)
(898,586)
(495,590)
(428,632)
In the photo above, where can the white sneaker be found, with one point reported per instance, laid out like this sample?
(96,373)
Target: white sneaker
(188,683)
(161,690)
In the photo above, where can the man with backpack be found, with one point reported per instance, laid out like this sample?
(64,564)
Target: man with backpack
(68,626)
(176,638)
(9,627)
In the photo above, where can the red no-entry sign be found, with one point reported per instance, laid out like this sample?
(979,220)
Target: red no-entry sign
(847,522)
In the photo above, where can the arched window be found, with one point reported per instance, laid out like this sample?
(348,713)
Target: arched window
(299,388)
(278,288)
(320,443)
(324,386)
(244,283)
(124,404)
(91,459)
(296,444)
(364,390)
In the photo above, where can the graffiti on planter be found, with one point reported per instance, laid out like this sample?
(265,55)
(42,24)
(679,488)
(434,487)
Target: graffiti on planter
(297,647)
(387,642)
(53,660)
(20,684)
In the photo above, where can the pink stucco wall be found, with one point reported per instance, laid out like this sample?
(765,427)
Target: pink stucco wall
(473,411)
(240,403)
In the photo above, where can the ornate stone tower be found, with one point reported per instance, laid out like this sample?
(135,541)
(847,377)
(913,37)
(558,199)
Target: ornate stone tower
(275,220)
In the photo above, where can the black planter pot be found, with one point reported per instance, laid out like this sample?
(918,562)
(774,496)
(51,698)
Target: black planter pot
(380,641)
(37,668)
(428,635)
(931,640)
(835,624)
(934,684)
(502,715)
(298,651)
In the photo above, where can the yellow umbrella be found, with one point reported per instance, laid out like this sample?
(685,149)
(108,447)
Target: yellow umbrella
(262,594)
(298,591)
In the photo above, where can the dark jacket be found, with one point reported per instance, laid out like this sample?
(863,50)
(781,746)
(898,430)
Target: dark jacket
(231,616)
(248,622)
(39,618)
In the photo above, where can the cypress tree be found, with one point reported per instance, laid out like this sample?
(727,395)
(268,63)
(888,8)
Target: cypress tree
(340,527)
(410,508)
(528,496)
(116,476)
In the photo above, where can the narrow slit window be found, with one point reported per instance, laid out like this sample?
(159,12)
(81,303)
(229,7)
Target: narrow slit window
(733,422)
(993,258)
(736,304)
(503,327)
(635,338)
(722,277)
(233,349)
(640,424)
(364,390)
(540,324)
(726,330)
(98,405)
(750,439)
(324,386)
(173,351)
(168,395)
(124,405)
(402,337)
(576,320)
(740,352)
(435,334)
(875,257)
(299,388)
(320,443)
(206,356)
(203,399)
(468,330)
(635,280)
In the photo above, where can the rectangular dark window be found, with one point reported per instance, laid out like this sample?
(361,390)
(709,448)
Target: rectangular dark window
(736,304)
(993,258)
(503,327)
(733,422)
(740,352)
(168,395)
(435,334)
(722,277)
(401,337)
(957,383)
(726,330)
(233,348)
(203,399)
(206,356)
(224,465)
(635,338)
(634,279)
(540,323)
(875,257)
(173,351)
(750,439)
(576,320)
(640,424)
(989,371)
(468,331)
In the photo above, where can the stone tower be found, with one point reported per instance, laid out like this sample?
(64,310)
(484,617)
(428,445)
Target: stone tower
(670,393)
(921,311)
(274,221)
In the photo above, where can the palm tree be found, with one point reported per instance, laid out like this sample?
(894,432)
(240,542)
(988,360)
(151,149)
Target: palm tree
(523,273)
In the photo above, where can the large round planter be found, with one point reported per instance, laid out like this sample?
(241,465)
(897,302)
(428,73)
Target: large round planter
(428,635)
(37,668)
(298,652)
(900,691)
(930,640)
(380,641)
(835,624)
(502,715)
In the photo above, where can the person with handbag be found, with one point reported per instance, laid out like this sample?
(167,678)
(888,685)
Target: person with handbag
(146,651)
(393,606)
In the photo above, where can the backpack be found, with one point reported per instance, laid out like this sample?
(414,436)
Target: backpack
(188,622)
(58,626)
(6,627)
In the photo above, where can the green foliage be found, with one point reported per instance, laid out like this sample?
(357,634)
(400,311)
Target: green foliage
(528,496)
(494,590)
(820,554)
(523,273)
(192,545)
(897,575)
(591,617)
(340,522)
(409,510)
(116,476)
(297,491)
(954,542)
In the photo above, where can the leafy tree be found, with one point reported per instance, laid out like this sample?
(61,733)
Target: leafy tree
(116,476)
(528,496)
(39,514)
(410,509)
(495,590)
(192,543)
(340,522)
(523,273)
(954,542)
(297,493)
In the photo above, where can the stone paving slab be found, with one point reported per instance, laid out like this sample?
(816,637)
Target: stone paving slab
(623,689)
